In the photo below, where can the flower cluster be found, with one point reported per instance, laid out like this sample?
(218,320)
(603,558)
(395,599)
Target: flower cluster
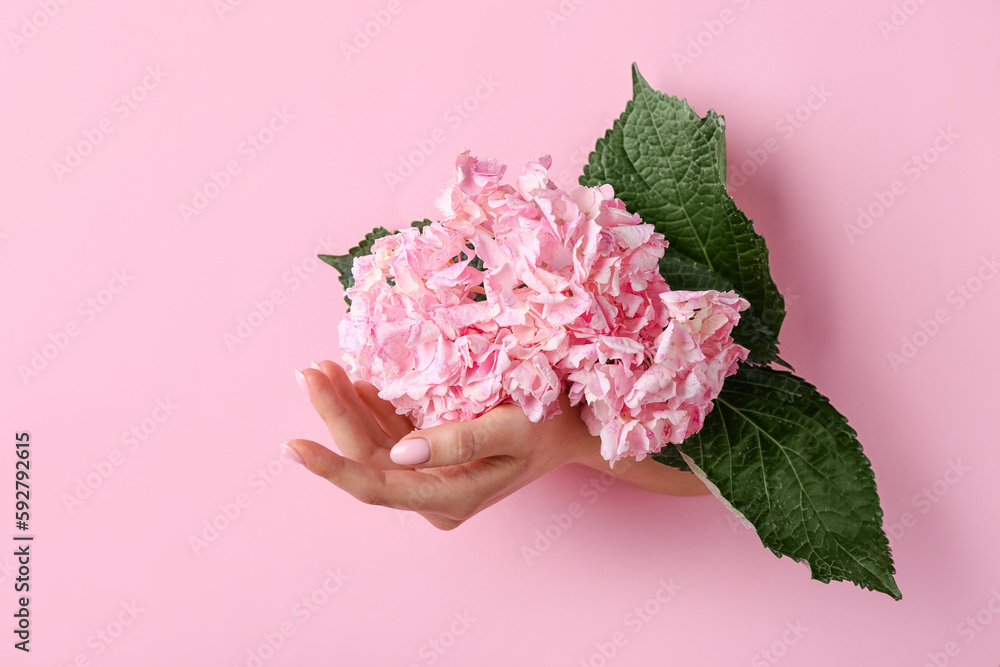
(522,292)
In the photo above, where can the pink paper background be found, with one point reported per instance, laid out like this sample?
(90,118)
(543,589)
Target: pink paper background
(555,75)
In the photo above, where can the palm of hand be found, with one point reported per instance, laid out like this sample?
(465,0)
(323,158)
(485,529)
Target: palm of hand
(471,465)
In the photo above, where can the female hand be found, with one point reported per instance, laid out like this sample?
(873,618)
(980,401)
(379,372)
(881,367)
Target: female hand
(451,472)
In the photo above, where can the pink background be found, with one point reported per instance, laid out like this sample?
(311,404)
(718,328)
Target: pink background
(405,593)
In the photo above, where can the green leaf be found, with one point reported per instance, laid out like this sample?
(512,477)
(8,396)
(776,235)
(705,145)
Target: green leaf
(669,165)
(781,457)
(671,456)
(681,273)
(343,263)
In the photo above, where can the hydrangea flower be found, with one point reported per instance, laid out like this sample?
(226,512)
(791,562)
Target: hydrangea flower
(525,291)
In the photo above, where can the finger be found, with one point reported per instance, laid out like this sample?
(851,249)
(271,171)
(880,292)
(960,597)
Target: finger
(436,520)
(338,377)
(361,481)
(348,390)
(456,493)
(396,425)
(500,431)
(348,419)
(441,522)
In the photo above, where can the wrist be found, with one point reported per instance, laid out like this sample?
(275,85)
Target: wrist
(648,474)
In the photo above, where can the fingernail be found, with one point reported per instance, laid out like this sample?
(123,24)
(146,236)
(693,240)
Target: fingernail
(410,452)
(316,366)
(301,379)
(292,454)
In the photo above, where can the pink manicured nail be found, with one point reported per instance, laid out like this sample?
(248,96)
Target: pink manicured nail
(292,454)
(302,380)
(410,452)
(317,366)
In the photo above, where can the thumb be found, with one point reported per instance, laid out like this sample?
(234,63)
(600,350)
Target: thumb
(458,442)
